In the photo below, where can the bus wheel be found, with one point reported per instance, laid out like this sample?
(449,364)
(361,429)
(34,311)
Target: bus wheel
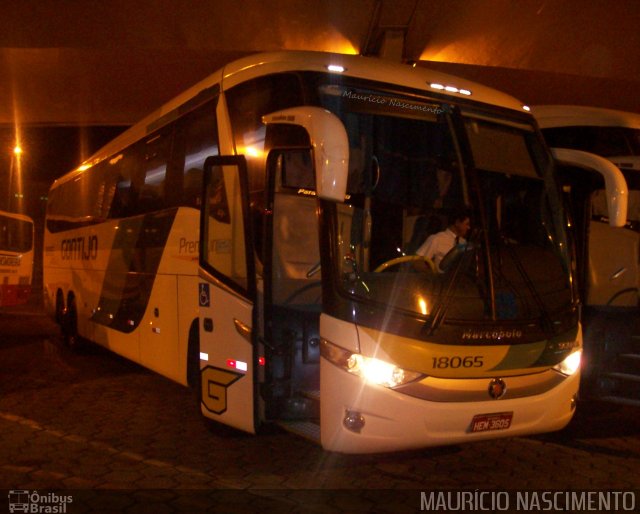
(193,357)
(59,307)
(70,325)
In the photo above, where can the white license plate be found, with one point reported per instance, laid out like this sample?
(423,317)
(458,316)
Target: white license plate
(494,421)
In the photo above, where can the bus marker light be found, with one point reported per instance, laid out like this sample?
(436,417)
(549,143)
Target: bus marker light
(450,89)
(204,356)
(261,361)
(336,68)
(239,365)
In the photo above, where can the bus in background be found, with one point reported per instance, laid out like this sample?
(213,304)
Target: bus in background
(309,307)
(608,257)
(16,258)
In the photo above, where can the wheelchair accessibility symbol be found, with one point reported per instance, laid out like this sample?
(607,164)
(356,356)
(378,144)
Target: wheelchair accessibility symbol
(204,295)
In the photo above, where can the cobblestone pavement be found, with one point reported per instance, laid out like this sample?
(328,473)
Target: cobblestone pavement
(119,438)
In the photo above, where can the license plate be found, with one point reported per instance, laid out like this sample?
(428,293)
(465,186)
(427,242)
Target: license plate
(495,421)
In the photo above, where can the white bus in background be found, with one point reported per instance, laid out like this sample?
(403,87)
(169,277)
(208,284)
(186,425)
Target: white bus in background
(16,258)
(322,175)
(608,257)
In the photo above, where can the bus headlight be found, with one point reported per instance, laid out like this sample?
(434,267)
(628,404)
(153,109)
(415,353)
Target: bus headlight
(570,364)
(372,370)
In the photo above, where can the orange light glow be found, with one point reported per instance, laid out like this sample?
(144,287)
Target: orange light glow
(17,150)
(344,47)
(333,42)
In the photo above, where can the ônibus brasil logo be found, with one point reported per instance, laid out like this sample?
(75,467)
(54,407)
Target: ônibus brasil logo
(21,500)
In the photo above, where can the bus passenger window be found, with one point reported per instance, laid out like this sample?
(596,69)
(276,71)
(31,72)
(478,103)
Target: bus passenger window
(152,187)
(196,138)
(123,167)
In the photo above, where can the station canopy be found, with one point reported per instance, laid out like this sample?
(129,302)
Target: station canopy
(81,63)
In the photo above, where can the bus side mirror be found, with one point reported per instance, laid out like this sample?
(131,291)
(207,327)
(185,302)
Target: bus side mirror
(614,181)
(329,143)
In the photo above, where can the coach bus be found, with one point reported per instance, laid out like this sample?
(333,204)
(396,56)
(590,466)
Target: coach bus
(16,258)
(608,257)
(286,289)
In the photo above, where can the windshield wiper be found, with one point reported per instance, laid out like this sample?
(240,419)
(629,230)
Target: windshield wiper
(545,319)
(441,308)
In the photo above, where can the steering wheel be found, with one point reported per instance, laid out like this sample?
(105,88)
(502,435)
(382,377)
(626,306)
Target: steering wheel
(406,258)
(290,299)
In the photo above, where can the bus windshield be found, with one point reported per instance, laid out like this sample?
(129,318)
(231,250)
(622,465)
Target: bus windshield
(16,235)
(605,141)
(413,164)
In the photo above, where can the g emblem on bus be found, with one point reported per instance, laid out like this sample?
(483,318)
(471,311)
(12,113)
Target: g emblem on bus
(214,383)
(497,388)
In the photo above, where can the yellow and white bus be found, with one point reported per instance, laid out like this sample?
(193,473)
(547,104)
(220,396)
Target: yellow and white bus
(322,175)
(16,258)
(608,251)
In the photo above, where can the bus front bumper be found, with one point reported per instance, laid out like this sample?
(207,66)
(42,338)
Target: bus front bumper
(357,417)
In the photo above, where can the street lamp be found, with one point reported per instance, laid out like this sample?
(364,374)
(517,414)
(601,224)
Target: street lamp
(17,166)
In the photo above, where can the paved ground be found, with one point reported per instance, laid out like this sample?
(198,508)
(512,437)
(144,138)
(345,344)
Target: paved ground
(119,438)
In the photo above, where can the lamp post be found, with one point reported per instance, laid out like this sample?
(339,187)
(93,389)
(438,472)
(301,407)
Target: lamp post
(15,161)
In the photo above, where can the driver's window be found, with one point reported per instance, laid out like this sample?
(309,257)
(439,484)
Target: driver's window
(295,249)
(225,242)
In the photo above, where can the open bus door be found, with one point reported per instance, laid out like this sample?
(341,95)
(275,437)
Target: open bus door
(227,293)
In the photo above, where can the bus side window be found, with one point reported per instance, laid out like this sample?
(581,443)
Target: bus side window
(196,138)
(154,171)
(124,198)
(247,103)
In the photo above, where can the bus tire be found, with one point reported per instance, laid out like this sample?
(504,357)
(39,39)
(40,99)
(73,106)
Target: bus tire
(70,335)
(193,356)
(59,312)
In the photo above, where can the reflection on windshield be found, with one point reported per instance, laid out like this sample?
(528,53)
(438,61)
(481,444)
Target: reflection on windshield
(599,208)
(407,178)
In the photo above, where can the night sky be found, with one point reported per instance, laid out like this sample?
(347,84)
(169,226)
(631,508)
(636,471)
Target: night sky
(50,152)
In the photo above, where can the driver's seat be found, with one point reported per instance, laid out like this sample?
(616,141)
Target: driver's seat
(423,227)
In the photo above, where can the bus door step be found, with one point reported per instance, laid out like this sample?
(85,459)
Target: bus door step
(306,429)
(621,400)
(622,386)
(623,377)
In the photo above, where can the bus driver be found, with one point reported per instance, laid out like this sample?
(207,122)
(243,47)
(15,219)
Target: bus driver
(439,244)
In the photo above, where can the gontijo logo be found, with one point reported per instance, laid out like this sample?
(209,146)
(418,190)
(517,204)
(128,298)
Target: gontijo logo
(50,503)
(80,248)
